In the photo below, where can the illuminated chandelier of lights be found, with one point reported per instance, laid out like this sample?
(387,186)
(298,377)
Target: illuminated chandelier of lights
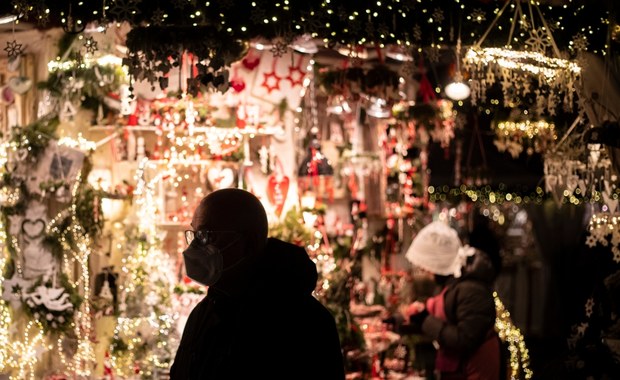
(604,227)
(532,62)
(519,70)
(527,127)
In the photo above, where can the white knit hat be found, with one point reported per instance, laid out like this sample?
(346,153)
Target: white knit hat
(435,249)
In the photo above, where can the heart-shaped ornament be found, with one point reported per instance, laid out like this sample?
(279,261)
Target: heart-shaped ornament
(220,178)
(251,61)
(33,229)
(21,154)
(20,85)
(237,84)
(277,191)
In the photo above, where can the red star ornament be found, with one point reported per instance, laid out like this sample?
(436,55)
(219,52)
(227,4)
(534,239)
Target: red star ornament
(295,76)
(271,86)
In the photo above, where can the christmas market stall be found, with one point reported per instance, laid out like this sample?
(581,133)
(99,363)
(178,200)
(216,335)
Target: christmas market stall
(356,124)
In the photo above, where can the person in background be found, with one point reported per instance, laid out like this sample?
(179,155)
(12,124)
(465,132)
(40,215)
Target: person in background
(461,318)
(259,318)
(483,238)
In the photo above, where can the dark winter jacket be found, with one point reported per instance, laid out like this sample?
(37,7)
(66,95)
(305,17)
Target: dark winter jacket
(278,330)
(469,308)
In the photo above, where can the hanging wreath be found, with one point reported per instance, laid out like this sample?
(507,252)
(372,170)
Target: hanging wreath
(54,306)
(378,81)
(155,51)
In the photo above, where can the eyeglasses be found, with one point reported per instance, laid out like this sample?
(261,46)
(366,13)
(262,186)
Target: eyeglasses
(205,237)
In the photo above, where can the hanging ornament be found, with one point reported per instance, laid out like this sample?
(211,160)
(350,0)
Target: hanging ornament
(279,48)
(73,26)
(52,298)
(14,289)
(108,374)
(277,188)
(296,74)
(237,82)
(158,17)
(220,177)
(68,111)
(251,61)
(263,158)
(125,10)
(20,85)
(90,45)
(271,80)
(13,49)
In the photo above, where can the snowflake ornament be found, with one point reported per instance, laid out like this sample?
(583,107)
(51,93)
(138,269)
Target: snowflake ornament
(158,16)
(13,49)
(125,9)
(400,351)
(539,40)
(21,6)
(589,306)
(279,48)
(417,32)
(616,252)
(432,54)
(40,13)
(591,241)
(580,42)
(438,15)
(478,16)
(90,45)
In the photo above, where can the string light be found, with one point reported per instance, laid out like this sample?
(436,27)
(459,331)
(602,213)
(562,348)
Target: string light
(80,143)
(527,127)
(508,332)
(488,195)
(529,61)
(147,270)
(603,228)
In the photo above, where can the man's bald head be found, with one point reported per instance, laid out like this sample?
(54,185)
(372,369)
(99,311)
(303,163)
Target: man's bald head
(233,210)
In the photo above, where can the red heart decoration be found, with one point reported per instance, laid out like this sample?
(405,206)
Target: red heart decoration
(277,191)
(250,62)
(237,84)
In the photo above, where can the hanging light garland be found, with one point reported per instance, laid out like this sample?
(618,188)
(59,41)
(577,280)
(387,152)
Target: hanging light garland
(489,195)
(508,332)
(147,270)
(524,72)
(529,128)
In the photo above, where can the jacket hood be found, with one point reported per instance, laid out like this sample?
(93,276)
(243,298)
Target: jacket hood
(479,267)
(287,268)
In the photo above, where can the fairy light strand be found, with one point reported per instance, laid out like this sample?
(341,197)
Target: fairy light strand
(508,332)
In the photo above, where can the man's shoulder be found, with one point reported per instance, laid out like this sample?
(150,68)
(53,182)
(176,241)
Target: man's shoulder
(275,244)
